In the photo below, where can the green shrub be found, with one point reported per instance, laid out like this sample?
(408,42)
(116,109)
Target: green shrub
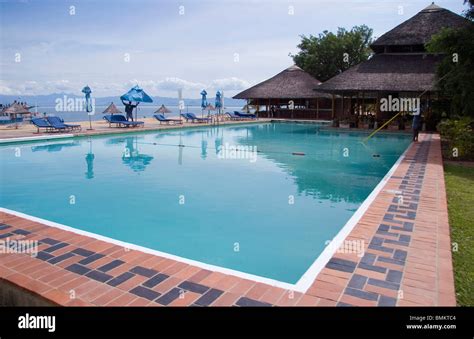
(458,137)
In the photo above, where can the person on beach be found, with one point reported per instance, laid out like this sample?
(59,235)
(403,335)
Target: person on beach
(129,109)
(416,126)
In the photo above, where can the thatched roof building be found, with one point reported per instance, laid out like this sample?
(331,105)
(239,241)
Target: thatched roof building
(413,34)
(400,67)
(387,73)
(400,63)
(291,85)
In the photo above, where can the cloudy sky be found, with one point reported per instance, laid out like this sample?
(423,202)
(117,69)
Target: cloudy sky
(51,46)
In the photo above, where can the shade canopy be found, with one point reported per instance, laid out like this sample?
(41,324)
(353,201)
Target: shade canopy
(163,109)
(218,99)
(15,109)
(203,98)
(112,109)
(136,94)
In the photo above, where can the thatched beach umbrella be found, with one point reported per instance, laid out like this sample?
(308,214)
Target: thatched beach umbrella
(210,108)
(163,109)
(112,109)
(14,110)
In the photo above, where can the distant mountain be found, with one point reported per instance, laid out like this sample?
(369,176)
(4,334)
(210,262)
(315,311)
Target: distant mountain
(49,100)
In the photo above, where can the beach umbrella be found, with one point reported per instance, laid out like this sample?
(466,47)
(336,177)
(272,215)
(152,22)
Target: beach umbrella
(87,92)
(210,108)
(218,101)
(163,109)
(112,109)
(14,110)
(203,101)
(136,94)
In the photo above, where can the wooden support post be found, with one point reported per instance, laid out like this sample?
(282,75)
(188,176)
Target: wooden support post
(332,108)
(317,108)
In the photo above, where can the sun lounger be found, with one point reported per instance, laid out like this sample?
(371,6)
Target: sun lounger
(56,123)
(193,118)
(245,115)
(121,121)
(233,116)
(161,118)
(41,123)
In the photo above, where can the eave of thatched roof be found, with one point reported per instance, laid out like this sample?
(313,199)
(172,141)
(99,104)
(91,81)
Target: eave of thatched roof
(387,72)
(292,83)
(418,29)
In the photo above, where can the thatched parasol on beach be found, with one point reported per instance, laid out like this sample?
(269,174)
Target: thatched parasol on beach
(112,109)
(163,109)
(16,109)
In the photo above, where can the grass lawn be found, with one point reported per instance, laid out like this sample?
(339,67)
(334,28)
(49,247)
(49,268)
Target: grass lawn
(460,191)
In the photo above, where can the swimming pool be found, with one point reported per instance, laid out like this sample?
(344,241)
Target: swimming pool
(267,210)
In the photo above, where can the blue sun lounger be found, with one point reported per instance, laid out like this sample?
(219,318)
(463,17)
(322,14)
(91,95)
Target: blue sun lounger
(121,121)
(161,118)
(56,123)
(193,118)
(233,116)
(41,123)
(245,115)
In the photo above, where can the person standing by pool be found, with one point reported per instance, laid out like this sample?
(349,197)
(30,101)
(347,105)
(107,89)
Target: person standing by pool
(416,126)
(129,109)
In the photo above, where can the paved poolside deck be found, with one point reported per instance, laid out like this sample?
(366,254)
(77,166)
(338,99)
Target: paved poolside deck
(100,127)
(406,261)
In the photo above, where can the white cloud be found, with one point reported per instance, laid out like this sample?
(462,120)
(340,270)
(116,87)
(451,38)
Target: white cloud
(230,84)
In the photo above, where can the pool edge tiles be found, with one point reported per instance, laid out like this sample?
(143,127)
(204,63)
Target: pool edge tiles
(303,283)
(383,227)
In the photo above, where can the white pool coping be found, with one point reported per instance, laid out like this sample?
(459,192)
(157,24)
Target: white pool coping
(35,138)
(302,285)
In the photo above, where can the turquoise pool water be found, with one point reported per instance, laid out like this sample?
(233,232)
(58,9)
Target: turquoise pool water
(268,215)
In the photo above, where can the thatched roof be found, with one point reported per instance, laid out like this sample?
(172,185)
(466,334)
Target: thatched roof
(15,109)
(417,30)
(163,109)
(292,83)
(112,109)
(387,72)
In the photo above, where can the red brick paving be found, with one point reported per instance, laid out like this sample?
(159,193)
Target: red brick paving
(408,267)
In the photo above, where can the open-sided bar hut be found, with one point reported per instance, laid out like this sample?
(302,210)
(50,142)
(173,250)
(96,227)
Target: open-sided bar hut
(289,94)
(400,68)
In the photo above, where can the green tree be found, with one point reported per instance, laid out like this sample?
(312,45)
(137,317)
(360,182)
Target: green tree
(455,73)
(329,54)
